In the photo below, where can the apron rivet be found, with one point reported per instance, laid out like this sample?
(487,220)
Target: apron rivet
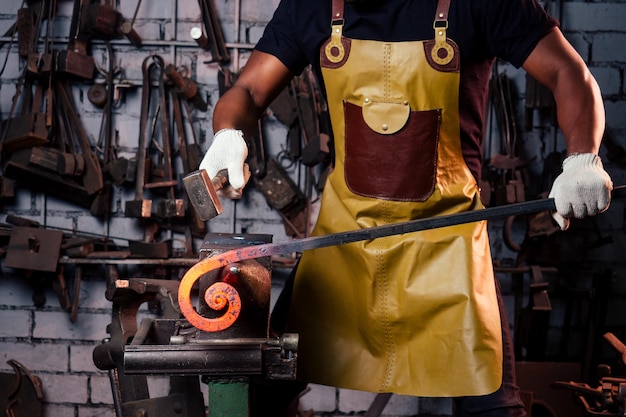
(385,127)
(440,14)
(367,100)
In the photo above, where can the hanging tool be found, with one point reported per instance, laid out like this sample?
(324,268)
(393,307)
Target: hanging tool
(186,87)
(170,206)
(617,344)
(196,224)
(140,207)
(21,393)
(75,60)
(30,127)
(211,24)
(251,252)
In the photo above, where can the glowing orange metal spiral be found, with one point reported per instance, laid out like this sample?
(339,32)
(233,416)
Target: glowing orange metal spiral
(217,295)
(341,238)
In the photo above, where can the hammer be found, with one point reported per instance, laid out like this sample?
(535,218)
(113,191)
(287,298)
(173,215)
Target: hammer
(204,192)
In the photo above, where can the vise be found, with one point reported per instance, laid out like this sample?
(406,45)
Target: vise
(227,359)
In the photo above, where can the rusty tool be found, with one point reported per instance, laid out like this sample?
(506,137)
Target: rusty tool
(203,192)
(617,344)
(251,252)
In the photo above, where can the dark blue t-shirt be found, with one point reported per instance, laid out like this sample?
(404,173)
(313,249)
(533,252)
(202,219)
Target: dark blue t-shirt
(483,29)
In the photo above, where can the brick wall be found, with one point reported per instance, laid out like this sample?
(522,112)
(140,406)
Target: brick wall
(58,350)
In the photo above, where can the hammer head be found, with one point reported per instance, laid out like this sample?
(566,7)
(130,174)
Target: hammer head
(202,194)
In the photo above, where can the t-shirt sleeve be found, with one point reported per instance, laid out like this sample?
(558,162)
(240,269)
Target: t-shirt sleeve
(281,40)
(515,27)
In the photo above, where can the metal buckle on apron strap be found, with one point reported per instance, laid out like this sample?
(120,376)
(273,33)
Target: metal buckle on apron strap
(334,50)
(442,53)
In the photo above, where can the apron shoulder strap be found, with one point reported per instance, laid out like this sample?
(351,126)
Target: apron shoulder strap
(337,10)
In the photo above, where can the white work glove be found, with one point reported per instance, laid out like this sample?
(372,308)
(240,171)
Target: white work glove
(582,189)
(228,151)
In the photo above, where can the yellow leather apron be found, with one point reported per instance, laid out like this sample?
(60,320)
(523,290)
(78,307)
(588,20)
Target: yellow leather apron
(414,314)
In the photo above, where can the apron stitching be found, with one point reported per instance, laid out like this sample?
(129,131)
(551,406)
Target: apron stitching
(387,70)
(384,284)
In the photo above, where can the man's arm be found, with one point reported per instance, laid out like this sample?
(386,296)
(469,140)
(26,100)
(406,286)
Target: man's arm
(584,187)
(236,115)
(260,81)
(580,111)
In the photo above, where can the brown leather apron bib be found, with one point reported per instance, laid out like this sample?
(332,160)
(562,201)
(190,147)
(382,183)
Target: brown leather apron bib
(415,314)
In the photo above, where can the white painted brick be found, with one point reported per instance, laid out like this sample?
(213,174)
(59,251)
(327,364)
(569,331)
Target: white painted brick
(402,405)
(100,388)
(25,204)
(64,10)
(256,11)
(16,292)
(436,406)
(320,398)
(15,323)
(580,42)
(52,325)
(56,410)
(188,11)
(604,47)
(11,5)
(125,228)
(354,401)
(12,72)
(81,359)
(92,293)
(102,411)
(615,111)
(583,16)
(608,79)
(254,34)
(35,357)
(158,386)
(65,388)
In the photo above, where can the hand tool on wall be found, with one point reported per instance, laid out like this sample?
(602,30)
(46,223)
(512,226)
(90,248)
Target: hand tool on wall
(170,206)
(75,60)
(617,344)
(208,264)
(140,207)
(36,168)
(128,28)
(161,177)
(21,393)
(196,223)
(103,21)
(186,87)
(26,125)
(30,125)
(29,21)
(213,30)
(92,178)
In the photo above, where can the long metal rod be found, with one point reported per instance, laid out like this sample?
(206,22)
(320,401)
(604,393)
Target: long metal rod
(352,236)
(212,263)
(250,252)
